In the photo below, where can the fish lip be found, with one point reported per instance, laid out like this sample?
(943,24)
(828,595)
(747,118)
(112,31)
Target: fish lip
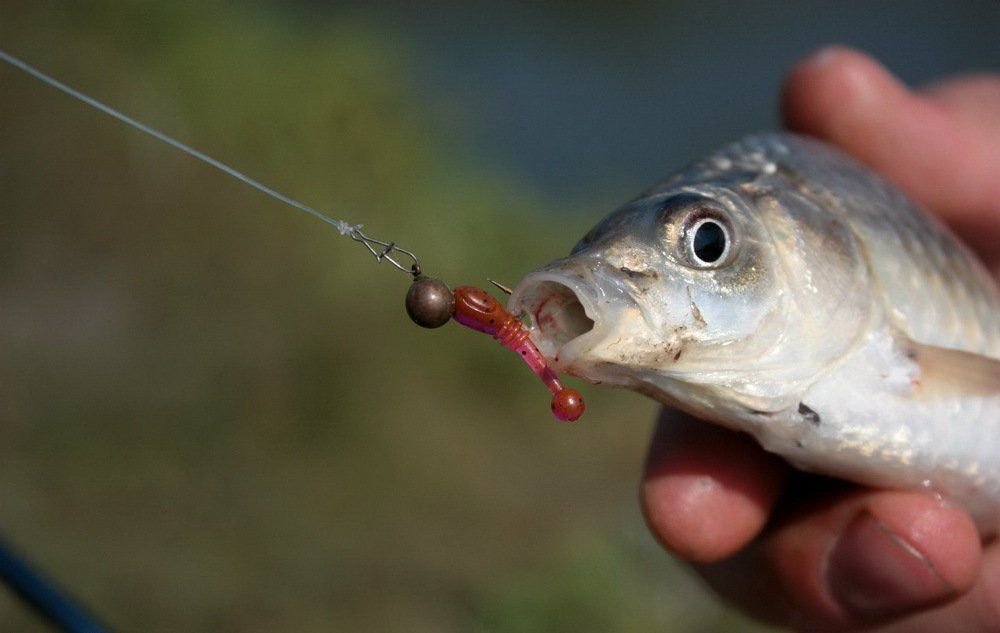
(568,328)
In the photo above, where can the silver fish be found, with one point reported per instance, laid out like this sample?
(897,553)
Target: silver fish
(780,288)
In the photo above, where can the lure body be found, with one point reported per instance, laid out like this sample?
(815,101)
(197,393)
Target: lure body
(780,288)
(477,309)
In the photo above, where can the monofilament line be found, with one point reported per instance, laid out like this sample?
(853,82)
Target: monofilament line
(343,227)
(353,230)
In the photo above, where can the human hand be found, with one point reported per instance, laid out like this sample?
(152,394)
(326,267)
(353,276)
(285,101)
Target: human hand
(809,552)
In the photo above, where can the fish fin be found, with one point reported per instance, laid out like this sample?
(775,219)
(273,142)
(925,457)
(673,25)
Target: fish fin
(944,370)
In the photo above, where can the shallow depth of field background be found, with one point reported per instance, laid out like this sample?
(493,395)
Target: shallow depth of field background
(214,413)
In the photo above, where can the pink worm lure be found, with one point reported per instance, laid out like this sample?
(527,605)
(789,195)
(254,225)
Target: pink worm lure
(477,309)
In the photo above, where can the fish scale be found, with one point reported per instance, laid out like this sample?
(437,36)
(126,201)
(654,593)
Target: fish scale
(959,308)
(834,320)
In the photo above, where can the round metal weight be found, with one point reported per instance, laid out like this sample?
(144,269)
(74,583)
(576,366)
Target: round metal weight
(430,302)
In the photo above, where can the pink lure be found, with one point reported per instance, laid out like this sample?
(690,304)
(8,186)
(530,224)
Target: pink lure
(477,309)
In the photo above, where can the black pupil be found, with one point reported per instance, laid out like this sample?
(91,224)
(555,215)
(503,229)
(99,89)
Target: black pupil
(709,242)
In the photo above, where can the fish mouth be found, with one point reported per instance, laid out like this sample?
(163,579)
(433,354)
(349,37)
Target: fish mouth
(561,308)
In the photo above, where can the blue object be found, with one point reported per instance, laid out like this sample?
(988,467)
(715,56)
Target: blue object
(43,596)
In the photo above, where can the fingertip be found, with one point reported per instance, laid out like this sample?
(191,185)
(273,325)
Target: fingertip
(901,554)
(707,491)
(938,147)
(684,512)
(834,92)
(873,556)
(941,532)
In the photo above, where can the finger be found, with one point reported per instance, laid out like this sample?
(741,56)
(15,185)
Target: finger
(972,98)
(707,491)
(978,611)
(862,558)
(942,148)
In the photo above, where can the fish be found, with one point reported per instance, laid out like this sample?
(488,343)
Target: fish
(780,288)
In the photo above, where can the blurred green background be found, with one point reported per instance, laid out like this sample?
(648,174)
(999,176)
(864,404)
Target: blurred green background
(214,412)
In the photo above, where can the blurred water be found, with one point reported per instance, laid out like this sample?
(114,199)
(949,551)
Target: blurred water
(579,97)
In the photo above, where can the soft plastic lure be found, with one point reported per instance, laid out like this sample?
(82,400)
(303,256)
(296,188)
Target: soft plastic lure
(430,303)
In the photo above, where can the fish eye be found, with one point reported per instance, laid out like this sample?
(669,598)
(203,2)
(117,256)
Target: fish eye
(708,242)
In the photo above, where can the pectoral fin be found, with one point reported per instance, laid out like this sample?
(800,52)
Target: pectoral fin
(950,371)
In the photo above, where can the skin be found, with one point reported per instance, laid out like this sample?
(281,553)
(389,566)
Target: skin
(817,554)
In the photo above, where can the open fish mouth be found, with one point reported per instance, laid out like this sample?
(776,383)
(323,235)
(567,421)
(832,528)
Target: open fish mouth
(562,313)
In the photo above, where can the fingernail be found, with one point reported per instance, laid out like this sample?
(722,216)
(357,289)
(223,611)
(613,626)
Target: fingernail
(823,56)
(873,572)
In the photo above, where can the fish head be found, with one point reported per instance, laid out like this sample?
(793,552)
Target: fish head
(725,298)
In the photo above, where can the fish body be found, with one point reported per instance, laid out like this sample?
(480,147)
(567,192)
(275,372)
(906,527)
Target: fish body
(780,288)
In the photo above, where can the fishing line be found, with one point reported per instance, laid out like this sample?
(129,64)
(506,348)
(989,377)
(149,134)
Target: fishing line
(382,250)
(430,303)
